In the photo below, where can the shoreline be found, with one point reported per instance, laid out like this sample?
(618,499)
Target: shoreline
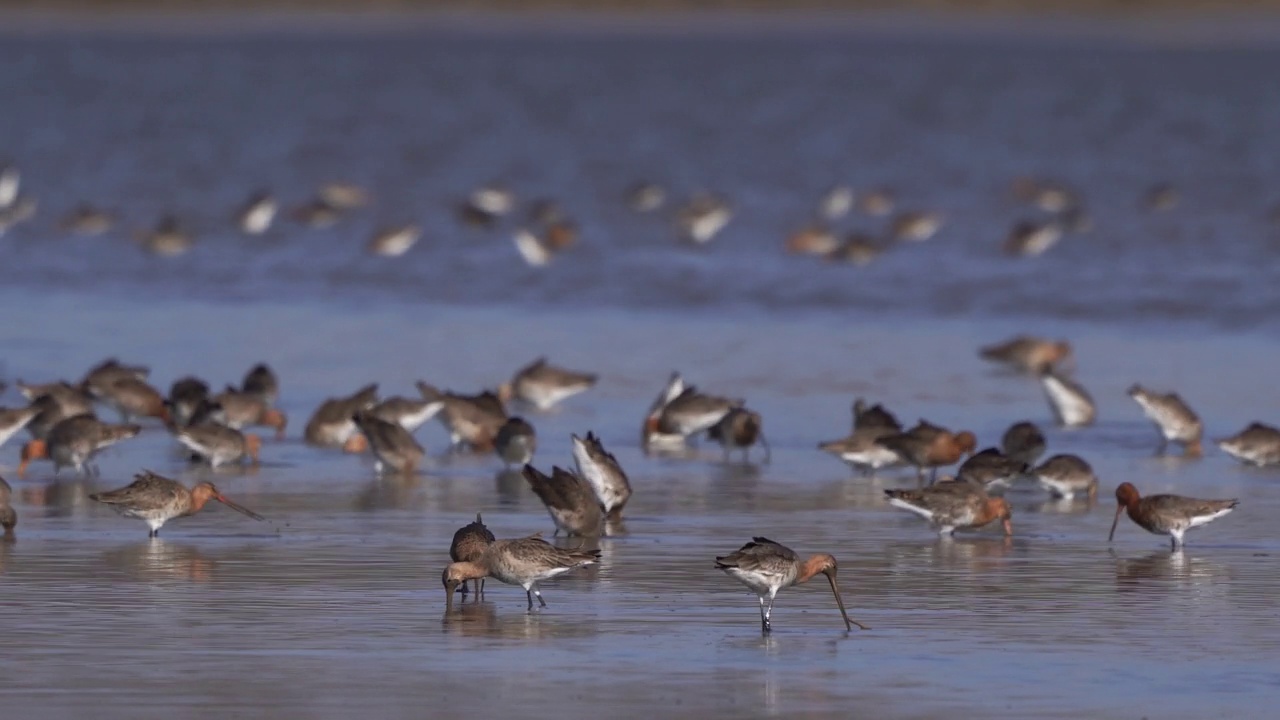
(1166,28)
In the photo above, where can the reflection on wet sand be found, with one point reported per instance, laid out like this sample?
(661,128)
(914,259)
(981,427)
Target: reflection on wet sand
(390,492)
(511,486)
(1166,567)
(61,497)
(158,559)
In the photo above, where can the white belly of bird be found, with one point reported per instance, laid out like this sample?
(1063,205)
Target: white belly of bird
(1072,409)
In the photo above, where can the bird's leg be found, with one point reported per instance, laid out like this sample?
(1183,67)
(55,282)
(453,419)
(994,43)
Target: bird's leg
(764,617)
(529,594)
(933,475)
(154,533)
(768,626)
(479,588)
(463,589)
(537,592)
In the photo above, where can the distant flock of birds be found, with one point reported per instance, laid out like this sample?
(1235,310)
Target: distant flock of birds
(547,229)
(588,501)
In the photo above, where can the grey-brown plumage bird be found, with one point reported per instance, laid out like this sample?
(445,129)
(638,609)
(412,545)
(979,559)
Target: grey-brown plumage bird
(570,500)
(469,544)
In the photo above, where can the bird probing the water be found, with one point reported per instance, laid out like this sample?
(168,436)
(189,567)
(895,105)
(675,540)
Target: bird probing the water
(766,567)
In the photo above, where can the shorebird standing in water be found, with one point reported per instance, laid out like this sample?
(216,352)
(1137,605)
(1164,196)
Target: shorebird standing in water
(331,425)
(682,412)
(74,442)
(766,567)
(469,544)
(1023,441)
(218,444)
(524,562)
(860,449)
(740,429)
(1175,420)
(1028,354)
(394,449)
(155,500)
(951,506)
(1065,475)
(516,442)
(544,385)
(1257,444)
(990,469)
(929,446)
(1171,515)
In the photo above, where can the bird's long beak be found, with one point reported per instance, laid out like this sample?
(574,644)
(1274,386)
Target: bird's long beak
(450,587)
(848,622)
(238,508)
(1112,535)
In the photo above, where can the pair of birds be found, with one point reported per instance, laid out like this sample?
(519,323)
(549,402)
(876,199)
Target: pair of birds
(681,412)
(762,565)
(586,503)
(879,441)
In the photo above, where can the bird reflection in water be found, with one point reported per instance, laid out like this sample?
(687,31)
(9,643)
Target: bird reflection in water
(511,486)
(471,618)
(61,497)
(159,559)
(1080,505)
(389,492)
(1163,568)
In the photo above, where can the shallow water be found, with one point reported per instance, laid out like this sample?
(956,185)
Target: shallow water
(335,606)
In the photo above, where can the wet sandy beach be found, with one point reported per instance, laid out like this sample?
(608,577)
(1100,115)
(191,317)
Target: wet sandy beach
(335,605)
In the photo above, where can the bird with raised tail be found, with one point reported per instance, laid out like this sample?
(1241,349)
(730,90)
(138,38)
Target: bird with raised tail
(1070,402)
(1175,420)
(156,500)
(766,567)
(570,500)
(1171,515)
(408,413)
(603,473)
(524,562)
(951,506)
